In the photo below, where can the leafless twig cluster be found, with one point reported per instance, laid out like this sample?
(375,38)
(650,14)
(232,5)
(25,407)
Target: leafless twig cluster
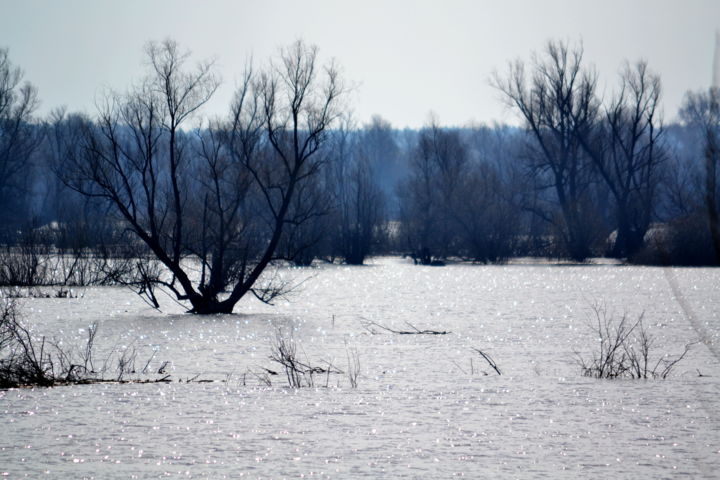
(624,350)
(27,360)
(299,373)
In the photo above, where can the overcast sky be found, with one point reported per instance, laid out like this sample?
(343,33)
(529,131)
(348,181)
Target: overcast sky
(407,58)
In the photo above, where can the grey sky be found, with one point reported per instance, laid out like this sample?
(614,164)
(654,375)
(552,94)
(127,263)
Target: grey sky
(407,57)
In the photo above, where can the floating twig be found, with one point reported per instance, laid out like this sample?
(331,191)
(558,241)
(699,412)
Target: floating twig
(368,324)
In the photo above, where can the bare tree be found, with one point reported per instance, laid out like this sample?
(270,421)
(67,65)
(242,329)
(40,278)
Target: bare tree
(222,196)
(307,237)
(627,151)
(490,219)
(135,157)
(359,201)
(223,233)
(298,104)
(19,138)
(488,222)
(702,111)
(430,194)
(379,146)
(682,176)
(557,102)
(362,213)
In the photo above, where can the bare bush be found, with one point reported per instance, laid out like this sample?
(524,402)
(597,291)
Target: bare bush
(28,360)
(299,373)
(284,352)
(624,350)
(26,265)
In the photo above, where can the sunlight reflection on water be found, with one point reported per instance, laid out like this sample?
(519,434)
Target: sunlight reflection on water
(425,406)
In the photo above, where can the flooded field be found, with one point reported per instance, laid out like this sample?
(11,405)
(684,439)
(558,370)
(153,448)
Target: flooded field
(425,406)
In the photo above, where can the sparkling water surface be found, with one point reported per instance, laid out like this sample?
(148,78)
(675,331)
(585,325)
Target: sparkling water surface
(426,406)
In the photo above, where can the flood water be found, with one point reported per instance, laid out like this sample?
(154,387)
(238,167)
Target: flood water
(425,406)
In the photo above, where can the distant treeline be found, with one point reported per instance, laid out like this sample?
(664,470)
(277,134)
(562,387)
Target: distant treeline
(582,177)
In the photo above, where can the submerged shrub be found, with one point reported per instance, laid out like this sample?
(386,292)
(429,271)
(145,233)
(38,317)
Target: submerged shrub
(28,360)
(23,361)
(299,373)
(625,350)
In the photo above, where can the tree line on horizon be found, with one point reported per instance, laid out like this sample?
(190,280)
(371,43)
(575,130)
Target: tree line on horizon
(289,175)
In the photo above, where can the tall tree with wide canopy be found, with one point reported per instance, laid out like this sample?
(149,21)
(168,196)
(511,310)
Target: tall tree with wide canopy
(211,206)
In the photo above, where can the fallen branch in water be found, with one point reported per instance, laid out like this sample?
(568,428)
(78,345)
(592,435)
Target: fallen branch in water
(489,360)
(368,324)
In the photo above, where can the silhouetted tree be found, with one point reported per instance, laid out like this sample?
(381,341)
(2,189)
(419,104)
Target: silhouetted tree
(77,221)
(19,138)
(307,237)
(488,212)
(702,111)
(430,194)
(626,149)
(682,175)
(359,202)
(379,147)
(224,199)
(557,102)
